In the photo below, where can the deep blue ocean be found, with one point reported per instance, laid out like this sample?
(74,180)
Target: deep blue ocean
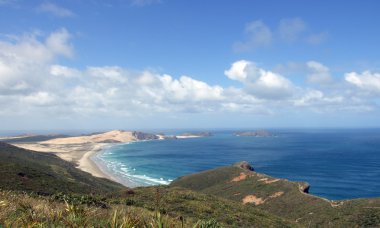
(338,164)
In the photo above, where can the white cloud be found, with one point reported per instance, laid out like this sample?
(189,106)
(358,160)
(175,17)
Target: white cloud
(188,89)
(259,82)
(237,70)
(23,62)
(319,73)
(55,10)
(290,29)
(257,35)
(39,98)
(317,99)
(366,81)
(32,82)
(58,43)
(64,71)
(109,73)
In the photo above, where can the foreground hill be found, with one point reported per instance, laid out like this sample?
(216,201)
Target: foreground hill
(46,173)
(40,189)
(281,197)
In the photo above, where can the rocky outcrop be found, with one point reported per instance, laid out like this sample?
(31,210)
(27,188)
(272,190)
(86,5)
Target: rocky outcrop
(144,136)
(244,165)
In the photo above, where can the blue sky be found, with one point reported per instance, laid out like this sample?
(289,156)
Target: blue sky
(178,64)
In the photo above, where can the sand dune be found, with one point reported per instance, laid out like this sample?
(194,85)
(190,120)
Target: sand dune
(110,136)
(79,149)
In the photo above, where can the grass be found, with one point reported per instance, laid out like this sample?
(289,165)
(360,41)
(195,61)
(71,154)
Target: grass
(292,203)
(46,174)
(22,210)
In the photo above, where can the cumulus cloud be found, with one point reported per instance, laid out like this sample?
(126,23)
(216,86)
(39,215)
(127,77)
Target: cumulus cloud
(319,73)
(259,82)
(366,81)
(55,10)
(64,71)
(257,35)
(32,82)
(23,62)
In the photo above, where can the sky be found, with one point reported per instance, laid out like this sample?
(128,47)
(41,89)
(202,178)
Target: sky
(164,64)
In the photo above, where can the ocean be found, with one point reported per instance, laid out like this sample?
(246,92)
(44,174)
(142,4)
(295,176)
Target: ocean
(337,163)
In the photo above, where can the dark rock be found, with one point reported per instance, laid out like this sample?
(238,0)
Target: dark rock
(244,165)
(144,136)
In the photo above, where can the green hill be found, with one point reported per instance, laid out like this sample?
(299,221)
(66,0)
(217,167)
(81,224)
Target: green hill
(42,190)
(45,173)
(281,197)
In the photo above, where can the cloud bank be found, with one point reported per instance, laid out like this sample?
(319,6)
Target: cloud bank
(33,81)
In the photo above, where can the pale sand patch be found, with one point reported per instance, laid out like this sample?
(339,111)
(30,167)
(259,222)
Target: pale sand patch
(15,137)
(253,199)
(88,165)
(79,154)
(116,135)
(268,181)
(257,200)
(241,177)
(275,195)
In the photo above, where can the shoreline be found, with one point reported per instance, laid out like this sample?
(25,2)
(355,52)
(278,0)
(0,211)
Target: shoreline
(79,154)
(87,164)
(97,166)
(81,151)
(101,166)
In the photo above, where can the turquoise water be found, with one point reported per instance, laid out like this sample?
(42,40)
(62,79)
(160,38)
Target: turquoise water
(338,164)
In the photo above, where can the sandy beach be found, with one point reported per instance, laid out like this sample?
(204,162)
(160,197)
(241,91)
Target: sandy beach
(80,149)
(79,154)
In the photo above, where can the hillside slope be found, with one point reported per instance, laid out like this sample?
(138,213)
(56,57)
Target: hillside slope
(281,197)
(45,173)
(75,198)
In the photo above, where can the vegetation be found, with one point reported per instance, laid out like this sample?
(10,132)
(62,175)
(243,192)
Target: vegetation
(283,198)
(42,190)
(45,174)
(31,138)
